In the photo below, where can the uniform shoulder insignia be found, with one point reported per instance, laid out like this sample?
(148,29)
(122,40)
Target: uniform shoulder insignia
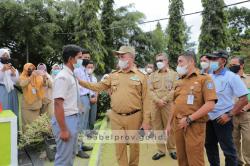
(140,71)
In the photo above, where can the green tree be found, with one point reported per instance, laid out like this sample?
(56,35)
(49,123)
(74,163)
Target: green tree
(89,33)
(175,31)
(107,18)
(214,27)
(159,39)
(239,33)
(28,28)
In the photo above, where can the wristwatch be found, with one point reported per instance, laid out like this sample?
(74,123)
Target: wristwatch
(189,120)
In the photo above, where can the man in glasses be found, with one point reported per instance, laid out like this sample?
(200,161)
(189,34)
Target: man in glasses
(161,88)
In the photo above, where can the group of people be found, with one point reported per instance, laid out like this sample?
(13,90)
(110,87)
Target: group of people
(37,87)
(194,108)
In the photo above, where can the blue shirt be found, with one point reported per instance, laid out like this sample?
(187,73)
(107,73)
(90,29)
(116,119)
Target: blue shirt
(228,85)
(81,74)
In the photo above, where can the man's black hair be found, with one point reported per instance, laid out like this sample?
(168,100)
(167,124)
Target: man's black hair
(189,54)
(241,59)
(70,50)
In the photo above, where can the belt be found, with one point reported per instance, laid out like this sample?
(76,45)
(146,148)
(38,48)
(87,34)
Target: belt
(86,94)
(130,113)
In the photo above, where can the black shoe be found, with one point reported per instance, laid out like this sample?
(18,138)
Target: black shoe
(87,148)
(173,155)
(158,155)
(82,155)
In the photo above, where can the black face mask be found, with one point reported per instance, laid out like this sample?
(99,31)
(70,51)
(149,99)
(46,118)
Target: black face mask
(85,62)
(5,61)
(235,68)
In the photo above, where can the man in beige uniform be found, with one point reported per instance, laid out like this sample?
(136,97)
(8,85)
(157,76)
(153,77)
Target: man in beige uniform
(241,131)
(129,103)
(161,88)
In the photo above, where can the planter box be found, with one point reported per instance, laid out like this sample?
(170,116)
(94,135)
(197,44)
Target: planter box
(8,138)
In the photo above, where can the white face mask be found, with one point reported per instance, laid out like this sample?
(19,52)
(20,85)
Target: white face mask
(90,71)
(149,70)
(204,65)
(182,70)
(123,64)
(78,63)
(160,65)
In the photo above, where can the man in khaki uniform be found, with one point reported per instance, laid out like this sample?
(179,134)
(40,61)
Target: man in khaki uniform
(194,97)
(161,88)
(241,122)
(129,103)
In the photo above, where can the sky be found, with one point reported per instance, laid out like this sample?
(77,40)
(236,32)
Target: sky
(156,9)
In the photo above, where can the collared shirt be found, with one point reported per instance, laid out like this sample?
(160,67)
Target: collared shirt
(228,86)
(81,74)
(92,79)
(198,85)
(129,91)
(66,87)
(161,85)
(246,79)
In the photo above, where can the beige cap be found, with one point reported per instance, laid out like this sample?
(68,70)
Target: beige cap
(124,50)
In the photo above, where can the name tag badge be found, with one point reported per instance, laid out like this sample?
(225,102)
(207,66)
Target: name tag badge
(190,99)
(33,91)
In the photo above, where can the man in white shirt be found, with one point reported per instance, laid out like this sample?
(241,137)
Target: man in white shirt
(84,93)
(67,104)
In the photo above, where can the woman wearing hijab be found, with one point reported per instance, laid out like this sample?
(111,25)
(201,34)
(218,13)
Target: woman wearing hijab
(47,101)
(32,84)
(55,70)
(8,78)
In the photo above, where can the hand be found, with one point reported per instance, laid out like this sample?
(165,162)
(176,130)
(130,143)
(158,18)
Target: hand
(161,103)
(223,119)
(168,130)
(13,71)
(6,67)
(146,127)
(93,100)
(183,123)
(64,135)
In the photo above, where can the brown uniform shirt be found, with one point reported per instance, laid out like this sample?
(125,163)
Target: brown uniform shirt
(129,91)
(162,85)
(200,86)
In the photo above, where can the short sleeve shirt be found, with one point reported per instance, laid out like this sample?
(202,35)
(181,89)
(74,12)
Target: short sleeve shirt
(228,86)
(66,87)
(200,86)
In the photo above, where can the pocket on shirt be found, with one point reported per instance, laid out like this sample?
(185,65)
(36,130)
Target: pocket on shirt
(156,84)
(221,88)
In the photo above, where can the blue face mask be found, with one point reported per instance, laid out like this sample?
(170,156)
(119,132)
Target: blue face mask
(55,72)
(214,65)
(78,63)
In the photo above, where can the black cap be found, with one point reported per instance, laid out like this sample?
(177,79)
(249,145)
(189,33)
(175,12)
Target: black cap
(218,54)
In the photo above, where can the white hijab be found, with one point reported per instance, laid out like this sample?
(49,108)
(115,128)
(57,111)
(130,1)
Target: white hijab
(9,85)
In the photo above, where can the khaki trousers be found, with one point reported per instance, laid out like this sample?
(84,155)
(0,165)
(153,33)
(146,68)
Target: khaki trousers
(190,144)
(126,126)
(241,136)
(159,122)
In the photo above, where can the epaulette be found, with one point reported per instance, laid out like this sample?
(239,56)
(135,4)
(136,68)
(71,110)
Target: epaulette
(141,72)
